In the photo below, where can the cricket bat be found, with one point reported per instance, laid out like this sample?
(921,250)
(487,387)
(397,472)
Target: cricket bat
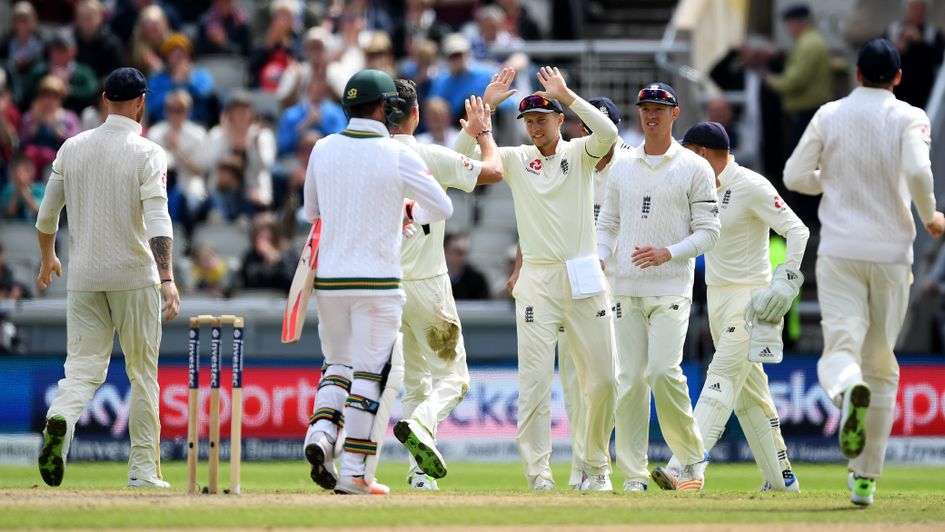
(296,304)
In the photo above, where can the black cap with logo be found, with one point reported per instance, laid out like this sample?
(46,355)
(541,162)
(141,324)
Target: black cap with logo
(125,84)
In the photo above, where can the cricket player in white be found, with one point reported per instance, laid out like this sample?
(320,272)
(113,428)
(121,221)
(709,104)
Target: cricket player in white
(356,182)
(868,154)
(435,374)
(738,276)
(561,282)
(114,183)
(660,212)
(573,405)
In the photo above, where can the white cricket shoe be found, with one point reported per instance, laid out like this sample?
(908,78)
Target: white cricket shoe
(149,482)
(578,478)
(685,479)
(351,485)
(320,453)
(543,484)
(597,483)
(634,485)
(791,484)
(421,482)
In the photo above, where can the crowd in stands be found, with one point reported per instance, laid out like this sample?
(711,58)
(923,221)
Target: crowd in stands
(238,139)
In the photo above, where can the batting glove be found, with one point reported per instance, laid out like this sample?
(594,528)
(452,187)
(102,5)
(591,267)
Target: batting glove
(772,302)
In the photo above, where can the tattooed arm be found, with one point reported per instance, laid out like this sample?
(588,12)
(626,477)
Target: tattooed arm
(160,231)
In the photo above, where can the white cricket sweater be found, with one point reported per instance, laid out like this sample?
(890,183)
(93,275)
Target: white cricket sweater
(356,182)
(107,173)
(422,255)
(672,204)
(868,154)
(749,206)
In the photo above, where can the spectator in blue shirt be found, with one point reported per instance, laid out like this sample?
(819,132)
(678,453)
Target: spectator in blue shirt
(316,113)
(464,78)
(181,74)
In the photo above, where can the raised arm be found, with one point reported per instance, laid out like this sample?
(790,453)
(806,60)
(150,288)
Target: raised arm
(603,131)
(479,127)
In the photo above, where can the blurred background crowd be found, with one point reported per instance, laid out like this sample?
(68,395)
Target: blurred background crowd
(242,90)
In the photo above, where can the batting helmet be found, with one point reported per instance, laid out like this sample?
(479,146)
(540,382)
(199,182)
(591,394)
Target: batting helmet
(369,86)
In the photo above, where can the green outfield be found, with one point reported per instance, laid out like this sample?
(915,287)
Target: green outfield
(279,494)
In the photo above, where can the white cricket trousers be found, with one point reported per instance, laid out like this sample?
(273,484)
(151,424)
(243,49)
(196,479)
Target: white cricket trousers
(734,383)
(651,332)
(863,305)
(92,318)
(357,335)
(574,407)
(543,304)
(435,374)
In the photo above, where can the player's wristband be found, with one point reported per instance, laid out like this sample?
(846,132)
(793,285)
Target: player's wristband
(167,281)
(483,132)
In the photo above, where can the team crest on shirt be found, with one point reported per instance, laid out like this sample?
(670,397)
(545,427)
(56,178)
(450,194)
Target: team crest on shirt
(779,204)
(529,314)
(467,164)
(727,197)
(564,166)
(645,210)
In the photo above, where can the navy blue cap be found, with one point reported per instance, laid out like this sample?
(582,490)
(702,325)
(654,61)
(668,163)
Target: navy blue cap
(878,60)
(125,84)
(710,135)
(608,107)
(796,11)
(660,93)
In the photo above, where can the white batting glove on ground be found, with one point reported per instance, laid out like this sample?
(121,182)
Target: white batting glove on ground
(772,302)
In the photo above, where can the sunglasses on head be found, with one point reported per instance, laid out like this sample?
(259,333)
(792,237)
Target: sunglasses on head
(534,101)
(661,95)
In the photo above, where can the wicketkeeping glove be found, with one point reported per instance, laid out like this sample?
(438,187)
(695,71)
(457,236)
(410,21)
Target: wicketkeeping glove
(772,302)
(764,339)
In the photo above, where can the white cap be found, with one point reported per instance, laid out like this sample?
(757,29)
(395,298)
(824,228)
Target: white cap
(455,43)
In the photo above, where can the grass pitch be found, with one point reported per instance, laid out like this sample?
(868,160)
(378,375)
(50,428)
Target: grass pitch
(281,495)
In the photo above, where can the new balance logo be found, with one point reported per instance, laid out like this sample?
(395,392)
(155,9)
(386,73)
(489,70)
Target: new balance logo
(727,197)
(674,307)
(715,387)
(601,313)
(646,206)
(730,330)
(791,276)
(564,166)
(529,314)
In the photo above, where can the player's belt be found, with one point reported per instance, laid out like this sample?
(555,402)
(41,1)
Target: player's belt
(357,283)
